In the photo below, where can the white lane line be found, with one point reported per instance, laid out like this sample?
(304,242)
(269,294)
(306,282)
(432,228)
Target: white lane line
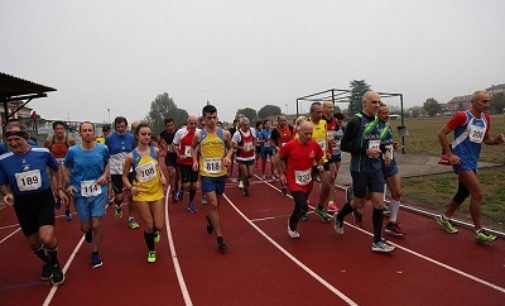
(10,235)
(427,258)
(293,258)
(177,266)
(9,226)
(53,290)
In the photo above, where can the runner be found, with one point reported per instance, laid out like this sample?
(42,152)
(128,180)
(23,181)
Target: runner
(167,137)
(87,166)
(182,142)
(362,140)
(105,133)
(216,151)
(243,142)
(300,155)
(58,144)
(331,125)
(258,143)
(266,151)
(147,187)
(25,183)
(201,125)
(320,136)
(471,129)
(120,143)
(281,134)
(390,171)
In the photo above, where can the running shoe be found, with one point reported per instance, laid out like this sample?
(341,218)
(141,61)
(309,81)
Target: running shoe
(332,206)
(210,228)
(204,201)
(110,201)
(157,236)
(284,191)
(132,223)
(88,236)
(246,192)
(339,226)
(191,208)
(68,215)
(151,257)
(180,194)
(305,217)
(323,215)
(47,272)
(221,244)
(57,204)
(482,236)
(96,261)
(386,211)
(446,224)
(393,229)
(357,217)
(293,233)
(382,246)
(241,184)
(58,276)
(118,213)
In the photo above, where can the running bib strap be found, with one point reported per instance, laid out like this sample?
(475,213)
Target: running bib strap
(146,172)
(303,177)
(29,180)
(212,165)
(90,189)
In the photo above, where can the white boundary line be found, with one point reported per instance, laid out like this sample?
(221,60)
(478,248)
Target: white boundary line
(10,235)
(53,290)
(293,258)
(177,266)
(429,259)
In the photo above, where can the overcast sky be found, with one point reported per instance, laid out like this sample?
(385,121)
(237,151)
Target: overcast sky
(122,54)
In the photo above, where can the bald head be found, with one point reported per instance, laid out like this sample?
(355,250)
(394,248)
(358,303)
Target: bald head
(480,101)
(245,124)
(191,122)
(480,95)
(371,102)
(328,108)
(305,131)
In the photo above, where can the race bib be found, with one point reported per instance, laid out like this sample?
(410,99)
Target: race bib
(374,144)
(90,189)
(303,177)
(248,146)
(477,133)
(391,149)
(146,172)
(29,180)
(212,165)
(330,135)
(187,151)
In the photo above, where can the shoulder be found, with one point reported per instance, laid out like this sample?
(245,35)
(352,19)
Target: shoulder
(6,155)
(40,150)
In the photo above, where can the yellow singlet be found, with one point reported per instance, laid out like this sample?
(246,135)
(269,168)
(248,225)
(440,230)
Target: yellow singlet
(213,150)
(147,178)
(319,135)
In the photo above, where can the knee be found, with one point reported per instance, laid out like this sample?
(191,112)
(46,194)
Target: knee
(396,195)
(477,195)
(46,237)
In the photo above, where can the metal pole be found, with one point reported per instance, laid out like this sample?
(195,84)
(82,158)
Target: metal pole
(403,122)
(333,97)
(297,112)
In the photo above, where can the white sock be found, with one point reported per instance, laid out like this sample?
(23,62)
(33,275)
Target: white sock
(395,207)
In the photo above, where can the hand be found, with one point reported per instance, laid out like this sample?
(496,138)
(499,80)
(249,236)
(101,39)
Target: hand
(9,199)
(454,159)
(101,180)
(63,196)
(134,190)
(499,139)
(373,153)
(163,181)
(320,168)
(195,166)
(71,190)
(283,180)
(396,145)
(387,159)
(226,161)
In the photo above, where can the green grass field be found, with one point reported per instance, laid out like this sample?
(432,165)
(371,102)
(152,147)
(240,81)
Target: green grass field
(435,191)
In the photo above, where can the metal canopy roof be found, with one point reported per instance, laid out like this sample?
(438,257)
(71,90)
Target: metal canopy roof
(15,89)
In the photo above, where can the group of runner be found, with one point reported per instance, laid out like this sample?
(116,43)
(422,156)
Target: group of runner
(123,165)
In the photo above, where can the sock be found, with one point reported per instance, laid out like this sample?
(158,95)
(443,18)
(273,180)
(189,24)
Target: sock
(39,251)
(149,238)
(347,209)
(395,207)
(320,207)
(53,255)
(377,218)
(192,193)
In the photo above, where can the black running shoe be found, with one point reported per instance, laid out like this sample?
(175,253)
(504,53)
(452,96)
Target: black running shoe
(58,276)
(210,228)
(284,191)
(47,272)
(221,244)
(246,192)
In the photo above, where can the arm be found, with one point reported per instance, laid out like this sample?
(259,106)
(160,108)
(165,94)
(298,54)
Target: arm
(48,141)
(8,197)
(162,176)
(126,171)
(347,143)
(442,138)
(229,148)
(281,167)
(194,151)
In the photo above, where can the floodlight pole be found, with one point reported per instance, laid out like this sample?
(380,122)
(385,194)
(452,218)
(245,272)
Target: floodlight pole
(402,122)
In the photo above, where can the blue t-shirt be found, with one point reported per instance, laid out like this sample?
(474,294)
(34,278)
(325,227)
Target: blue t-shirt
(27,173)
(265,135)
(86,165)
(119,147)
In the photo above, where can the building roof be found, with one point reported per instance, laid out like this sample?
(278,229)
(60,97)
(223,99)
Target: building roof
(14,88)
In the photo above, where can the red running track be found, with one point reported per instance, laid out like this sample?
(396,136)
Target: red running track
(262,266)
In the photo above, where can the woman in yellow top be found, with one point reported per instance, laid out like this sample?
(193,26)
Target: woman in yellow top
(147,187)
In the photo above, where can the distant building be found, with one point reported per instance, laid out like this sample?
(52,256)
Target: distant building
(24,112)
(496,89)
(459,103)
